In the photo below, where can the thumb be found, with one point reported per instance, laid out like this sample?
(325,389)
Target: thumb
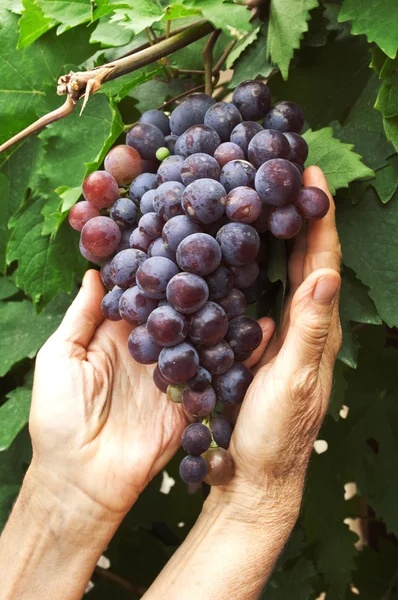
(311,316)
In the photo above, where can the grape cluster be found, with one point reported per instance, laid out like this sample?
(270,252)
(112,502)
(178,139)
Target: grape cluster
(183,247)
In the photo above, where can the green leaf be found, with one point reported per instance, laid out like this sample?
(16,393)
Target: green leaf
(376,571)
(391,130)
(13,463)
(376,19)
(363,128)
(337,160)
(70,13)
(387,102)
(46,266)
(326,93)
(7,288)
(14,415)
(24,331)
(28,77)
(120,88)
(355,307)
(241,46)
(14,6)
(179,11)
(232,18)
(338,391)
(15,175)
(105,34)
(368,234)
(287,23)
(386,181)
(252,62)
(335,555)
(294,582)
(138,15)
(32,24)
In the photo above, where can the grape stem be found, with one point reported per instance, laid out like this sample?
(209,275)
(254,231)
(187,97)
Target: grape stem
(86,83)
(208,60)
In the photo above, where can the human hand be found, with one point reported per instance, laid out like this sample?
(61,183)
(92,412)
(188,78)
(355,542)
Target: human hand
(286,403)
(98,423)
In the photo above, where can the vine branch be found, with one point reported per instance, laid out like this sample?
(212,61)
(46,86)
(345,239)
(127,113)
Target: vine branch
(208,60)
(86,83)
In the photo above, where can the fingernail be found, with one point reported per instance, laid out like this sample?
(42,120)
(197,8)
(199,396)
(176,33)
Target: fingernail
(326,289)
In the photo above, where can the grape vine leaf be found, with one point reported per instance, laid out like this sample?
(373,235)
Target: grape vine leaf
(14,415)
(104,34)
(335,557)
(374,18)
(46,265)
(355,307)
(14,6)
(364,127)
(13,463)
(71,13)
(230,17)
(252,62)
(287,24)
(241,46)
(24,331)
(373,257)
(138,15)
(386,181)
(32,24)
(337,160)
(120,88)
(15,175)
(376,571)
(28,77)
(338,390)
(387,102)
(7,288)
(295,581)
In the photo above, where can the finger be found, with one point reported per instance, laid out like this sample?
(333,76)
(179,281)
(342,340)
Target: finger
(323,247)
(311,317)
(84,315)
(268,327)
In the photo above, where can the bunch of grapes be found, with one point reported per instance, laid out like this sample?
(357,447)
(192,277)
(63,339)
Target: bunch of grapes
(183,247)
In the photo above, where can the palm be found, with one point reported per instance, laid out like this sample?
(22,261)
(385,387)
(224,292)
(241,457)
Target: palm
(121,429)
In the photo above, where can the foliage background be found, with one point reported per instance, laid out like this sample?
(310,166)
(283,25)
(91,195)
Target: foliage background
(338,60)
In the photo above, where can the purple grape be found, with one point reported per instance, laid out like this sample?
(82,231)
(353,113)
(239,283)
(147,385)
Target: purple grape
(166,326)
(285,221)
(154,275)
(278,182)
(187,292)
(198,253)
(285,116)
(244,334)
(151,225)
(243,205)
(199,404)
(219,282)
(90,257)
(198,138)
(177,229)
(157,118)
(196,439)
(223,117)
(125,239)
(146,139)
(312,203)
(222,431)
(100,236)
(100,189)
(142,184)
(237,173)
(146,202)
(245,275)
(81,213)
(298,148)
(239,243)
(161,383)
(199,166)
(139,241)
(227,152)
(124,213)
(241,356)
(141,346)
(234,304)
(253,99)
(200,381)
(204,201)
(150,166)
(193,469)
(158,248)
(178,364)
(209,325)
(267,144)
(110,304)
(170,142)
(124,267)
(167,201)
(170,169)
(134,307)
(218,358)
(261,224)
(190,112)
(243,134)
(105,274)
(231,387)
